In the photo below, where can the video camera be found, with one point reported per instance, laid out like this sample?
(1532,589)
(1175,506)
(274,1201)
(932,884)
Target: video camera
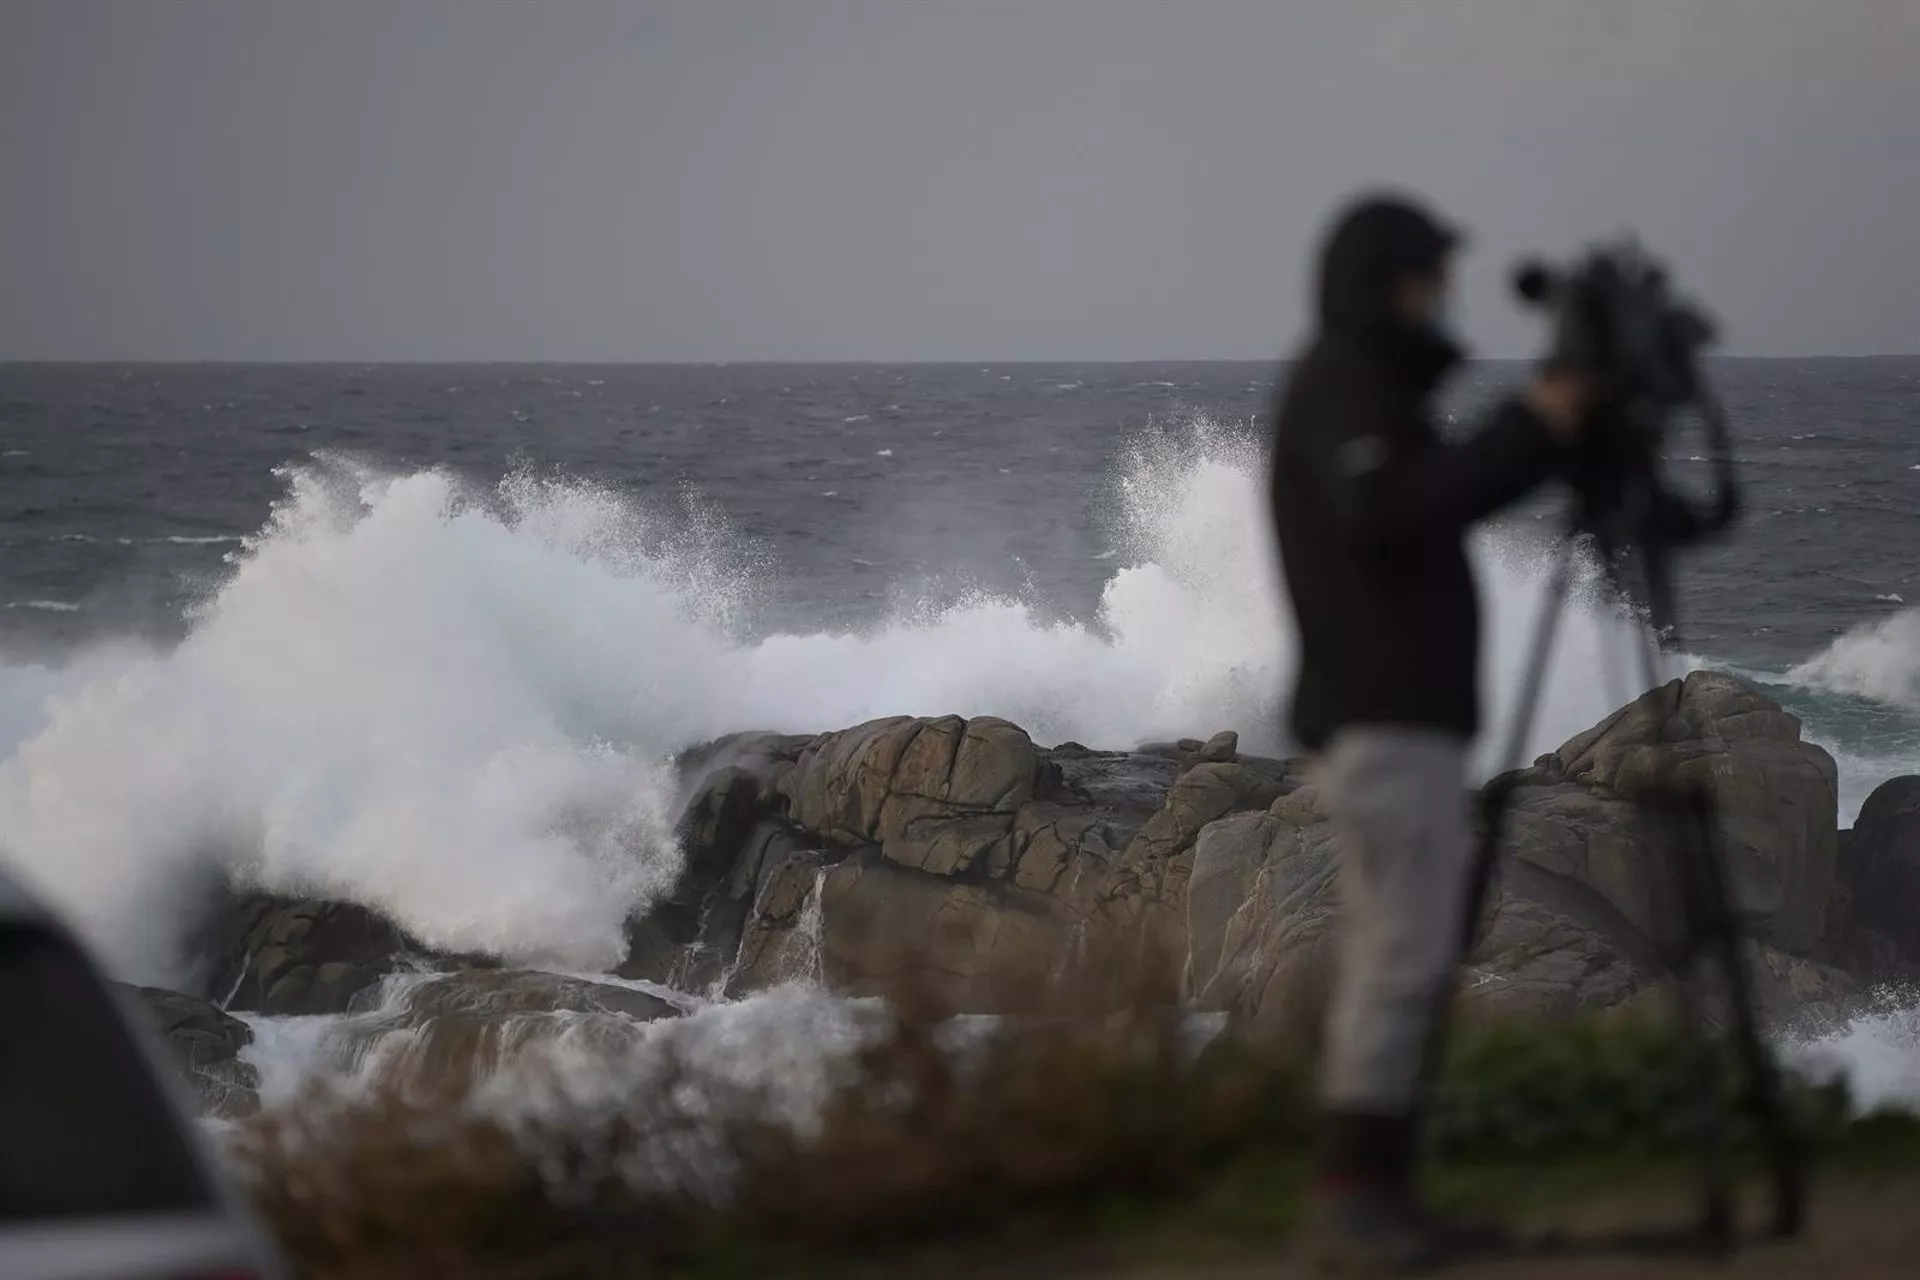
(1616,322)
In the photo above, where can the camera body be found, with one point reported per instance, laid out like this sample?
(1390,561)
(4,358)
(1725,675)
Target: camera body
(1615,320)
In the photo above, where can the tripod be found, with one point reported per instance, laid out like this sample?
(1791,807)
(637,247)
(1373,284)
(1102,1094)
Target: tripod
(1634,523)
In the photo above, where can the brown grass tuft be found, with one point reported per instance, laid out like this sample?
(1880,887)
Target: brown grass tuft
(948,1127)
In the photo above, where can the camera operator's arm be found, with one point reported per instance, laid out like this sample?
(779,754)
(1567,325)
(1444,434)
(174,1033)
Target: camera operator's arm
(1389,491)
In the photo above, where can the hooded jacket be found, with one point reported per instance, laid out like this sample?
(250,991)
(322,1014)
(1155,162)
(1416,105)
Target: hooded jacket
(1371,506)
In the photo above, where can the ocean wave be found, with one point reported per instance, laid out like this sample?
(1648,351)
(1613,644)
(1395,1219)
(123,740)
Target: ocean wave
(454,707)
(1876,660)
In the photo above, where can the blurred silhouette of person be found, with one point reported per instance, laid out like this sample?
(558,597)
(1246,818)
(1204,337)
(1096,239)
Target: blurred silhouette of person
(1372,508)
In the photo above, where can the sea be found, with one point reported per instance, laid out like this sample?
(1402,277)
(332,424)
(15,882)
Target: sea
(423,636)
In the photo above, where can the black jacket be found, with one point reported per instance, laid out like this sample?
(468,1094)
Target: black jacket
(1372,507)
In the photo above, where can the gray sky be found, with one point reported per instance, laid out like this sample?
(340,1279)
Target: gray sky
(918,179)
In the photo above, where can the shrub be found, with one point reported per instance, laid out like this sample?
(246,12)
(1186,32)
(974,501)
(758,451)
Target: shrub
(1035,1122)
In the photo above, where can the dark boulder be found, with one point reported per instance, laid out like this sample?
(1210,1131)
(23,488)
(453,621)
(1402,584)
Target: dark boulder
(1880,876)
(205,1044)
(276,956)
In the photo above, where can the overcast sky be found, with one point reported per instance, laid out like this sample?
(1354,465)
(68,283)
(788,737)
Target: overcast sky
(918,179)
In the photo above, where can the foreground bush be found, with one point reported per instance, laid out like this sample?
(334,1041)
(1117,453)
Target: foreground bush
(1036,1123)
(1513,1091)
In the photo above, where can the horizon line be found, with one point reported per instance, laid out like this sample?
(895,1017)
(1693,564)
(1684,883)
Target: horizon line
(789,362)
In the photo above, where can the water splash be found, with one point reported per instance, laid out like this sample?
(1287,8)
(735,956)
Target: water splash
(1876,660)
(452,706)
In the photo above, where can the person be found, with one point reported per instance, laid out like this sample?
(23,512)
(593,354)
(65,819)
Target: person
(1371,507)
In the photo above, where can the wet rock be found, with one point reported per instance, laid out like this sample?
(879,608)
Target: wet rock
(1785,984)
(1880,874)
(447,1032)
(732,811)
(716,822)
(1221,748)
(935,795)
(502,993)
(278,956)
(976,885)
(780,937)
(869,926)
(205,1043)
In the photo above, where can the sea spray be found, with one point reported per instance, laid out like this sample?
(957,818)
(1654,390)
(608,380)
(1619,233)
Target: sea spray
(1879,661)
(454,706)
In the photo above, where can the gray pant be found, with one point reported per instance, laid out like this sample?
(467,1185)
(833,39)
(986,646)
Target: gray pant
(1399,804)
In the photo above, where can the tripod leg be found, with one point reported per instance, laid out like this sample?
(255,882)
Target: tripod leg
(1700,926)
(1493,808)
(1763,1095)
(1552,605)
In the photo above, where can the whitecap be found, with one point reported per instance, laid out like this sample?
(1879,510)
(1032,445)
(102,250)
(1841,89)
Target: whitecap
(1875,660)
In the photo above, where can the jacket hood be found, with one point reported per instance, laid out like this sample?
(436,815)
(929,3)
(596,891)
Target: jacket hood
(1378,242)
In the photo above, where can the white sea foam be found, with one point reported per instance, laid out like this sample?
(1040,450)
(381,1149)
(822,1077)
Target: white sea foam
(1877,660)
(1878,1052)
(452,707)
(785,1049)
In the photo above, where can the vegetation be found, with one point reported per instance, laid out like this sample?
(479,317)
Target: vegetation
(1049,1137)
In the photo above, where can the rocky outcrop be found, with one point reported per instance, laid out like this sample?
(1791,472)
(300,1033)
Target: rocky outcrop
(1260,914)
(205,1043)
(956,861)
(1262,911)
(1877,917)
(276,956)
(869,926)
(509,993)
(956,858)
(1775,795)
(1584,904)
(1533,962)
(936,795)
(730,820)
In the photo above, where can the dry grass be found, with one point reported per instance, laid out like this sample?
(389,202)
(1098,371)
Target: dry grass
(1034,1123)
(1048,1127)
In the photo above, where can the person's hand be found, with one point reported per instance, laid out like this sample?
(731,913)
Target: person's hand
(1563,400)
